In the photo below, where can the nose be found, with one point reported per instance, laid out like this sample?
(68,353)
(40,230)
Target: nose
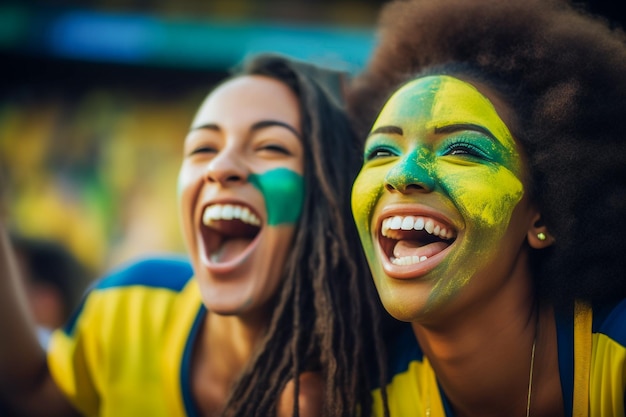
(414,172)
(226,168)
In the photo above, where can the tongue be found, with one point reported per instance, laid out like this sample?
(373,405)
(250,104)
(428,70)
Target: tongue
(415,248)
(229,250)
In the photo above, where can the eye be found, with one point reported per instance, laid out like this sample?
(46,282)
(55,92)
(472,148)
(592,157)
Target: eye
(274,148)
(377,153)
(465,148)
(202,150)
(202,143)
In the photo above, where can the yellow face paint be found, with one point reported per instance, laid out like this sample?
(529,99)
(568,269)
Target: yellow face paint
(442,142)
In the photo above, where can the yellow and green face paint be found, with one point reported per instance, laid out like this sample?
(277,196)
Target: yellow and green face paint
(442,133)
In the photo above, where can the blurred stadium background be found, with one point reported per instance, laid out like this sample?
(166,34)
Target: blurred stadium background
(97,96)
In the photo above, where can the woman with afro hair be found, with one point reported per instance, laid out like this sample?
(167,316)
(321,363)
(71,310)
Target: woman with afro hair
(491,205)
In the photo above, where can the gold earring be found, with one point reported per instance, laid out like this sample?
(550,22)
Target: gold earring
(541,236)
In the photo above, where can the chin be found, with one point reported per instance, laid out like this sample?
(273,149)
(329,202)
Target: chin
(224,311)
(225,301)
(228,309)
(413,313)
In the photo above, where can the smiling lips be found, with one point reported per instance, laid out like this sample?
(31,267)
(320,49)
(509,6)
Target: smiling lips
(230,230)
(410,240)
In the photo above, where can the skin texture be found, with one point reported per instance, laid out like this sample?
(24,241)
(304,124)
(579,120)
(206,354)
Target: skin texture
(241,150)
(439,149)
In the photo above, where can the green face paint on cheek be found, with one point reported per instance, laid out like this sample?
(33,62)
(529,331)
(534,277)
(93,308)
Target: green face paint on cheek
(283,190)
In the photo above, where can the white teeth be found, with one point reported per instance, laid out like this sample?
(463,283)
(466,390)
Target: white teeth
(408,260)
(396,223)
(229,212)
(416,223)
(429,226)
(407,223)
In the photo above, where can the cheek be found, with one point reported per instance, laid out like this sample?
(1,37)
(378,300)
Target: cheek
(267,279)
(366,191)
(485,196)
(186,181)
(187,189)
(283,191)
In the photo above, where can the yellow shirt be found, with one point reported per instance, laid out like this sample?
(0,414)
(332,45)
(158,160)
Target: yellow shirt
(127,350)
(412,387)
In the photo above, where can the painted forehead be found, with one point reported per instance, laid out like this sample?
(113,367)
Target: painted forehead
(437,101)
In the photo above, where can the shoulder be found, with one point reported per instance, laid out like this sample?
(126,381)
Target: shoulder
(608,360)
(142,279)
(310,396)
(171,272)
(610,321)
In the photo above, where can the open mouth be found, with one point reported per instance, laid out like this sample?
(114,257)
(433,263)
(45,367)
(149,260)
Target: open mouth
(409,240)
(229,230)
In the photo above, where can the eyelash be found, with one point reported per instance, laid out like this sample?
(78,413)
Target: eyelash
(202,149)
(275,148)
(465,148)
(378,153)
(269,148)
(455,148)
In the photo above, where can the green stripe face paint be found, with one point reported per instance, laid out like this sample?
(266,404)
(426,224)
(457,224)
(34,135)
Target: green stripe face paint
(441,136)
(283,190)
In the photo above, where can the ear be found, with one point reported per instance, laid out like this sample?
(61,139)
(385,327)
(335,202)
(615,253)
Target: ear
(538,235)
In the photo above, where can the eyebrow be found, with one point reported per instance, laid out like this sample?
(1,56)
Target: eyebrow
(466,126)
(255,127)
(442,129)
(395,130)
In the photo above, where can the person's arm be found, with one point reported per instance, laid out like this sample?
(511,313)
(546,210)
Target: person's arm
(26,386)
(310,396)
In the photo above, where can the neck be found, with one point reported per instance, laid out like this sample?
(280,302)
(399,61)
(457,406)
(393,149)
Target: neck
(232,339)
(223,348)
(482,356)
